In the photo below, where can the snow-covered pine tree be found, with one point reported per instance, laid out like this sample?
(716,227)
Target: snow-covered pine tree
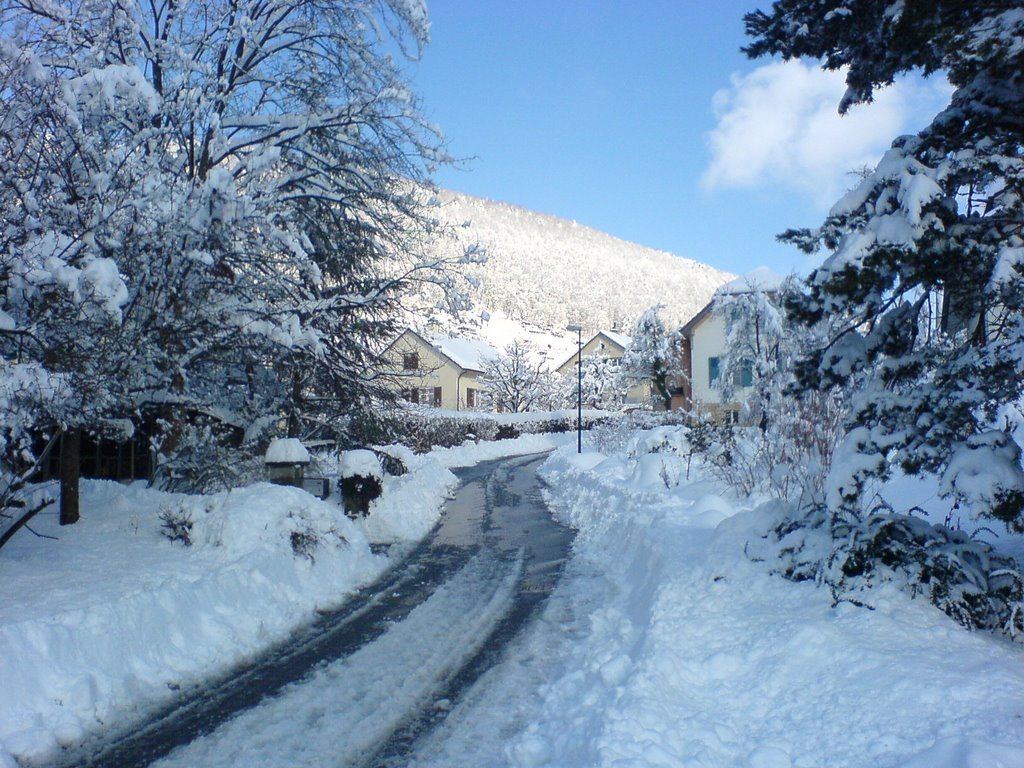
(923,290)
(941,216)
(654,356)
(211,206)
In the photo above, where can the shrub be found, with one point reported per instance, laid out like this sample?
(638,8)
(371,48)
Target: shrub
(357,491)
(206,459)
(421,430)
(176,525)
(963,577)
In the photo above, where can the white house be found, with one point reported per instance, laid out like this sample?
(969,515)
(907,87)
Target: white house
(439,371)
(704,339)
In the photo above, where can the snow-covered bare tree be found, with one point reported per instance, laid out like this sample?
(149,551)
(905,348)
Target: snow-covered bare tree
(942,215)
(759,343)
(601,386)
(654,356)
(788,453)
(513,382)
(211,206)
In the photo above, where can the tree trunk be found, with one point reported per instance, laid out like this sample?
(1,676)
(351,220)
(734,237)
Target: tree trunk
(70,468)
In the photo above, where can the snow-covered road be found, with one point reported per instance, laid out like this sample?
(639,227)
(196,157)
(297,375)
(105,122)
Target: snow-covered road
(367,680)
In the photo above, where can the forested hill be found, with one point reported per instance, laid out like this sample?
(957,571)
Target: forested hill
(550,272)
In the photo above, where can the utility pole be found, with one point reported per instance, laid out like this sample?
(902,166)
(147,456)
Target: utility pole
(579,385)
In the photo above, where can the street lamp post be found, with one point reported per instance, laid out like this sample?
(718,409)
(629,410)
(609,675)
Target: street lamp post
(579,385)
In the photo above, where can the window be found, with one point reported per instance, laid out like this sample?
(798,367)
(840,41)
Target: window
(437,397)
(470,397)
(744,377)
(410,361)
(412,395)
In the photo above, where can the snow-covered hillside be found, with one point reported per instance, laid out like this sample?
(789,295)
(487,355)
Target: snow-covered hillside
(549,272)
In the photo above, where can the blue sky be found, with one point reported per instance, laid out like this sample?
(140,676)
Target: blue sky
(644,120)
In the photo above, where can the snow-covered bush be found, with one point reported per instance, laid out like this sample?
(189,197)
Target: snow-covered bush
(788,453)
(204,457)
(619,434)
(360,479)
(789,456)
(961,576)
(422,431)
(307,534)
(176,524)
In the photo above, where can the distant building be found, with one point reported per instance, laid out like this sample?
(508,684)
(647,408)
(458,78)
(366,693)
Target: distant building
(438,371)
(611,345)
(704,345)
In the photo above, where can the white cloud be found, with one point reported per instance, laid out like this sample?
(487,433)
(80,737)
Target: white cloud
(779,126)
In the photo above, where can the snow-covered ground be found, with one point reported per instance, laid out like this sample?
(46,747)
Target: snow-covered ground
(114,616)
(664,645)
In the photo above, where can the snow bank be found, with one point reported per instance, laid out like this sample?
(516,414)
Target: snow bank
(691,654)
(114,613)
(410,504)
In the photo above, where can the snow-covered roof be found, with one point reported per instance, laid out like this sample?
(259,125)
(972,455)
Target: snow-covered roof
(286,450)
(619,338)
(466,353)
(760,279)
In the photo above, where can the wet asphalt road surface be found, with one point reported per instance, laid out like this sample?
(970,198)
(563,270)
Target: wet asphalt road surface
(497,516)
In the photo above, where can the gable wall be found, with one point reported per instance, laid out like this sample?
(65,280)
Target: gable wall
(436,370)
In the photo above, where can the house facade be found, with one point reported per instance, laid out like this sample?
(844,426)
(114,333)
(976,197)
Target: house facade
(704,338)
(437,371)
(704,348)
